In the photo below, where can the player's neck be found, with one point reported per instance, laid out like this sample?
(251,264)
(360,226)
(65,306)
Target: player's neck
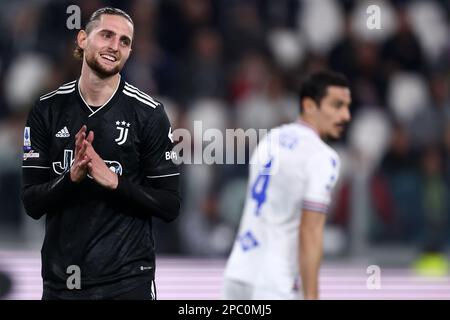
(95,90)
(308,123)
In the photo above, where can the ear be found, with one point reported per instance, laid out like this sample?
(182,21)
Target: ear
(82,39)
(309,106)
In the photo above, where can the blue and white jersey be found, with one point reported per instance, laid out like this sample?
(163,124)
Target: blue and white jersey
(292,170)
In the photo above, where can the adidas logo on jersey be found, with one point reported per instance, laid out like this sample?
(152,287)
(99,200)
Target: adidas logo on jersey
(63,133)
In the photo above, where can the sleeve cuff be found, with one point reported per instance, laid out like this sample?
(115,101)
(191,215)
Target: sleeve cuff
(123,185)
(315,206)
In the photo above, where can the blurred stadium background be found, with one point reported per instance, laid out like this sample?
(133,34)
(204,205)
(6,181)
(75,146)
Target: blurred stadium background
(238,64)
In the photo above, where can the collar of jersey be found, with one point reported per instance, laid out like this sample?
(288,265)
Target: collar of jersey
(107,103)
(305,124)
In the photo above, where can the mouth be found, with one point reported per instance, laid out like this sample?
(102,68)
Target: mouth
(108,57)
(340,126)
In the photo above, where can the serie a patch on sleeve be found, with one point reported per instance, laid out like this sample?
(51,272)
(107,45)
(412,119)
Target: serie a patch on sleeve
(27,140)
(30,154)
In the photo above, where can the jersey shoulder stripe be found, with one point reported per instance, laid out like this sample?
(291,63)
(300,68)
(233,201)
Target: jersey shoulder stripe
(141,93)
(64,89)
(134,92)
(133,95)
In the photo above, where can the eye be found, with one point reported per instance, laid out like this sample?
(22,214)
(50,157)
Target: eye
(125,42)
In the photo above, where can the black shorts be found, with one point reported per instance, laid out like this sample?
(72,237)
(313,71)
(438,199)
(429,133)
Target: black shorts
(145,291)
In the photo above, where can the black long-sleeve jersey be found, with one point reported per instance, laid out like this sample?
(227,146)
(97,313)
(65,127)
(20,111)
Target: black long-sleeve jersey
(107,234)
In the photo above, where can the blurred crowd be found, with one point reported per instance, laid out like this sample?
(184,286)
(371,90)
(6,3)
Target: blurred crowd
(239,64)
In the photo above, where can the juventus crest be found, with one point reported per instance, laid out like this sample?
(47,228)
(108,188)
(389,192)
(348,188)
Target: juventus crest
(123,127)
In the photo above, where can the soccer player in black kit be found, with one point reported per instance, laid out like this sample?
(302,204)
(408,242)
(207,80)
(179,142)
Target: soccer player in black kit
(98,162)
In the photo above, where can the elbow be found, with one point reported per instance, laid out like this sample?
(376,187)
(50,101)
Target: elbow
(31,209)
(169,206)
(308,238)
(34,214)
(173,212)
(169,217)
(311,240)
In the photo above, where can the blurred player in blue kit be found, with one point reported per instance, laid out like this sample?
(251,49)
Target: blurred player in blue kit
(280,237)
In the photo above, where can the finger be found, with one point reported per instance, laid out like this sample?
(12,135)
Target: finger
(82,129)
(90,136)
(79,137)
(84,146)
(84,162)
(82,151)
(91,151)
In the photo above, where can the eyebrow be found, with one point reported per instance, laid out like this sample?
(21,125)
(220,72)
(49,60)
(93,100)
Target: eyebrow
(340,102)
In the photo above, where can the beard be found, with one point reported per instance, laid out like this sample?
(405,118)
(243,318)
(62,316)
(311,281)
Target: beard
(341,132)
(100,70)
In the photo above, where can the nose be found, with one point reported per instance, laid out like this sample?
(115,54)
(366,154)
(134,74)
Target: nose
(114,44)
(346,115)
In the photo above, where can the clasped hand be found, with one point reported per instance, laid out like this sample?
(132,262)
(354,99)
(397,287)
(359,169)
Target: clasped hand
(87,161)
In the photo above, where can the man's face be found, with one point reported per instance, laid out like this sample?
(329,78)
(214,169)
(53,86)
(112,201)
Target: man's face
(108,45)
(334,113)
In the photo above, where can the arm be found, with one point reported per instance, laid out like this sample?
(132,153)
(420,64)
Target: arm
(311,249)
(41,198)
(158,195)
(321,173)
(40,193)
(161,197)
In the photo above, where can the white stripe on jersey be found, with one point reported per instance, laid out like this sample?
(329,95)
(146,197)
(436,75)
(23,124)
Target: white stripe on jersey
(140,92)
(138,98)
(35,167)
(68,85)
(143,95)
(58,92)
(164,175)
